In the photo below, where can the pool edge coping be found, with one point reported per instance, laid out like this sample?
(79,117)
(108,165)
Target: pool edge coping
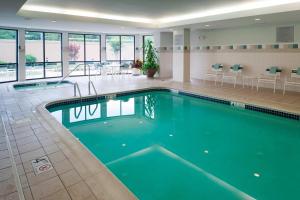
(247,106)
(63,132)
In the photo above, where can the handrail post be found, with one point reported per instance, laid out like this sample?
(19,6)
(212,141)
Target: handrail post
(89,86)
(75,89)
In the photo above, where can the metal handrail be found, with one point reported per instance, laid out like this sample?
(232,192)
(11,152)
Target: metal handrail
(89,87)
(76,84)
(76,87)
(66,76)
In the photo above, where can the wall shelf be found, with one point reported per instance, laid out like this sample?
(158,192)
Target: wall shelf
(276,47)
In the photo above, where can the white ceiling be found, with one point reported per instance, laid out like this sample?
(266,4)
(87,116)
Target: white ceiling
(12,16)
(143,8)
(9,18)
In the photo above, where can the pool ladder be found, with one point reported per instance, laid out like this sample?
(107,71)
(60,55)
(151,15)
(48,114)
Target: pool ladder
(93,86)
(90,84)
(76,88)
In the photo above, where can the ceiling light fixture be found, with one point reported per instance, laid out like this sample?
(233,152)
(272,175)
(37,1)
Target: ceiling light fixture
(238,8)
(257,19)
(83,13)
(227,10)
(53,21)
(207,25)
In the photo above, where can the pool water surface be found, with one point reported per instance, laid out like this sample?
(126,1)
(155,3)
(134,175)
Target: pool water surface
(164,145)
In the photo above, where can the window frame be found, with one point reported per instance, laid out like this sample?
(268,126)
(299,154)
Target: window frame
(17,55)
(85,62)
(44,56)
(120,60)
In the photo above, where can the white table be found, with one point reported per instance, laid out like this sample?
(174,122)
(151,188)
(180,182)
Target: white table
(249,79)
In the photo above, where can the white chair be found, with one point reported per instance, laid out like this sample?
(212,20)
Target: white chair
(216,71)
(234,73)
(271,76)
(294,79)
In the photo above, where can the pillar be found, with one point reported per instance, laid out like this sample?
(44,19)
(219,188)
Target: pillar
(181,55)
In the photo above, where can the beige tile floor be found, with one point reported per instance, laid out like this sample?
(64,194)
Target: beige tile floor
(76,174)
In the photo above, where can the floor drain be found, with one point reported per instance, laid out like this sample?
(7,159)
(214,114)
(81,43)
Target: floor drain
(41,165)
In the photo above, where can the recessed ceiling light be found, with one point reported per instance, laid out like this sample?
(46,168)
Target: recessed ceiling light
(207,25)
(257,19)
(53,21)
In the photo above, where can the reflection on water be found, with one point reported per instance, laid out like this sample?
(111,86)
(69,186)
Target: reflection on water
(120,108)
(101,110)
(145,106)
(87,112)
(150,103)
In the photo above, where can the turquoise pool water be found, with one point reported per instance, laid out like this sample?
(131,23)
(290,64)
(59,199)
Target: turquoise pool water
(41,85)
(163,145)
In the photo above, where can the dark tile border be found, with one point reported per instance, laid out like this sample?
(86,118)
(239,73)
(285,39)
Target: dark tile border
(272,112)
(222,101)
(207,98)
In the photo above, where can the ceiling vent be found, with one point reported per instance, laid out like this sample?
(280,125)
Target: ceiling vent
(285,34)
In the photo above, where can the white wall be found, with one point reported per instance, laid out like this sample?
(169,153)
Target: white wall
(255,62)
(164,39)
(262,34)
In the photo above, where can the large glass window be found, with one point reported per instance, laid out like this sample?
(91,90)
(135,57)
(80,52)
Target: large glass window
(120,48)
(8,55)
(84,50)
(53,55)
(113,47)
(43,55)
(146,38)
(127,48)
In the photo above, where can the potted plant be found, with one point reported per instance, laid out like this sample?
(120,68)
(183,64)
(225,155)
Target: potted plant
(151,65)
(136,67)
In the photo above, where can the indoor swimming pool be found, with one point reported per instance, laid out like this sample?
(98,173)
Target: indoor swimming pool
(169,145)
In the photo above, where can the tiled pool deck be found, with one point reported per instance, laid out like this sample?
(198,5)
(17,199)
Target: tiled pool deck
(76,174)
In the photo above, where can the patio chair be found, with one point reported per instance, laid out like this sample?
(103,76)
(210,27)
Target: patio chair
(271,76)
(216,71)
(294,79)
(234,73)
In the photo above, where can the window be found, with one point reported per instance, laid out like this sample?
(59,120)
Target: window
(53,55)
(84,49)
(43,55)
(127,48)
(8,55)
(113,47)
(146,38)
(120,48)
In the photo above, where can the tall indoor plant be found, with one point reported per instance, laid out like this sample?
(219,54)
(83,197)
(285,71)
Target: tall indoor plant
(151,60)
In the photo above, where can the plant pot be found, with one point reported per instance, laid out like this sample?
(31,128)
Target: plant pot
(136,71)
(151,72)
